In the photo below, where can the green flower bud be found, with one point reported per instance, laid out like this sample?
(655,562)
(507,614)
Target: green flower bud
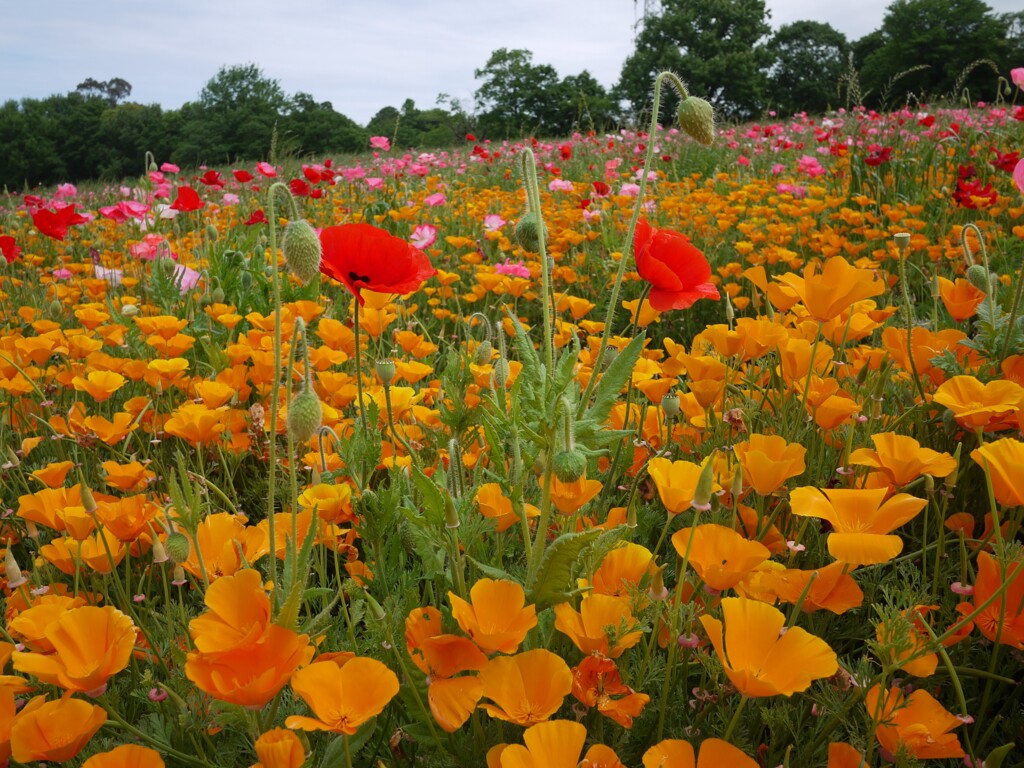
(482,356)
(977,276)
(528,231)
(217,294)
(302,250)
(305,415)
(211,232)
(570,465)
(705,487)
(178,547)
(697,118)
(56,308)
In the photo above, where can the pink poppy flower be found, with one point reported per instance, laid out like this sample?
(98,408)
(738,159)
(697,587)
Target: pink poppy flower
(560,185)
(185,278)
(62,273)
(266,169)
(169,168)
(437,198)
(112,276)
(424,236)
(1018,175)
(230,198)
(514,269)
(65,190)
(374,182)
(380,142)
(493,222)
(1017,76)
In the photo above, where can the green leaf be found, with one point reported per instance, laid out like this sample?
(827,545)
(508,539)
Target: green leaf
(335,753)
(614,379)
(552,583)
(432,500)
(490,571)
(996,756)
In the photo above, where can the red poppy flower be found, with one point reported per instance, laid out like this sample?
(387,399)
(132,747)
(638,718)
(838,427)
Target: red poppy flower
(212,179)
(878,155)
(600,188)
(258,217)
(9,248)
(299,187)
(242,176)
(187,200)
(55,224)
(678,273)
(363,256)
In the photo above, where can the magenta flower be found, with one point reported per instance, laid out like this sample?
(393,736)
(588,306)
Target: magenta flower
(424,236)
(493,222)
(380,142)
(437,198)
(1017,76)
(514,269)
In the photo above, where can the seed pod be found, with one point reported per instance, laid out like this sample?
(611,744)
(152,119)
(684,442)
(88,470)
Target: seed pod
(385,370)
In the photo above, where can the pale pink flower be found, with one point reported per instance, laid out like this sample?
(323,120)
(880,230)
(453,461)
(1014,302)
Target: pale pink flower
(185,278)
(230,198)
(630,190)
(380,142)
(374,182)
(169,168)
(112,276)
(493,222)
(65,190)
(149,247)
(515,269)
(266,169)
(1017,76)
(1018,175)
(560,185)
(437,198)
(62,273)
(424,236)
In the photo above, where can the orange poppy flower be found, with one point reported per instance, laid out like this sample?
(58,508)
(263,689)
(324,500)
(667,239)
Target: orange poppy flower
(54,473)
(676,482)
(570,497)
(54,731)
(596,682)
(111,431)
(832,589)
(99,385)
(960,297)
(676,753)
(905,637)
(902,459)
(757,658)
(1004,617)
(555,744)
(196,423)
(841,755)
(861,522)
(237,613)
(132,476)
(834,290)
(252,674)
(601,756)
(90,645)
(497,618)
(343,693)
(917,723)
(719,555)
(126,756)
(980,406)
(493,503)
(603,625)
(622,572)
(7,710)
(221,536)
(768,461)
(1003,460)
(527,688)
(279,748)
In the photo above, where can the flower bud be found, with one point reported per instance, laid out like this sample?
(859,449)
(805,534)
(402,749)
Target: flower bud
(88,502)
(569,465)
(217,294)
(56,308)
(130,310)
(302,250)
(528,231)
(705,486)
(482,356)
(178,547)
(977,276)
(12,570)
(211,232)
(159,551)
(697,118)
(305,414)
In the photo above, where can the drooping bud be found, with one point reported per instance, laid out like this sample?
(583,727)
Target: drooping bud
(657,590)
(305,414)
(302,250)
(56,308)
(159,551)
(977,276)
(178,547)
(482,355)
(12,570)
(528,231)
(697,119)
(211,232)
(88,502)
(569,465)
(705,486)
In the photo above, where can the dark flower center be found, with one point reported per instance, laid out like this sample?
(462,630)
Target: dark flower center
(358,278)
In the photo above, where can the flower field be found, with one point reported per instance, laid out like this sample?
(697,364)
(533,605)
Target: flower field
(621,449)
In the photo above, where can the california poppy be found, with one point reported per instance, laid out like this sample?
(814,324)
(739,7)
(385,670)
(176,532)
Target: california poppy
(901,459)
(757,658)
(678,273)
(54,731)
(834,290)
(364,257)
(719,555)
(768,461)
(497,618)
(976,405)
(1002,461)
(527,688)
(1002,619)
(596,682)
(916,722)
(126,756)
(676,753)
(603,625)
(343,693)
(555,744)
(279,748)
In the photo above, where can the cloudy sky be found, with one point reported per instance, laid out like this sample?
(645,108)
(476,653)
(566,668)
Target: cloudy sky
(360,56)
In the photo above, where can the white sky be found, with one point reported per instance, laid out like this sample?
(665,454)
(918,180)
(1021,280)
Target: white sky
(358,55)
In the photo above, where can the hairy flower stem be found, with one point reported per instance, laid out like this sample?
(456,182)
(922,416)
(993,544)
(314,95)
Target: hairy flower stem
(902,244)
(275,188)
(627,246)
(533,203)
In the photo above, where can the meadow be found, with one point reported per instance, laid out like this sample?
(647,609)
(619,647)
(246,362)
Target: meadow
(681,447)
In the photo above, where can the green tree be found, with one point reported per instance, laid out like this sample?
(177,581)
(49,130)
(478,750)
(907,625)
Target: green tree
(314,127)
(808,59)
(127,132)
(590,105)
(517,97)
(113,91)
(926,47)
(234,116)
(717,47)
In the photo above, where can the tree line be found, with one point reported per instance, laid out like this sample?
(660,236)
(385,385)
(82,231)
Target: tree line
(724,49)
